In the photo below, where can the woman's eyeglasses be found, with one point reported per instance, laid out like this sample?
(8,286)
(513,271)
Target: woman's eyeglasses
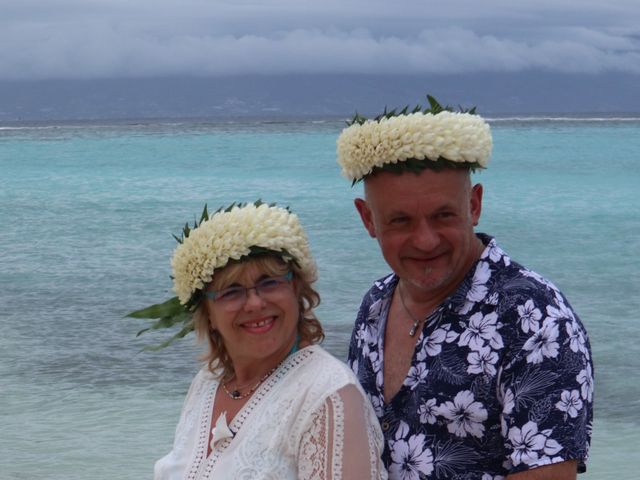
(234,298)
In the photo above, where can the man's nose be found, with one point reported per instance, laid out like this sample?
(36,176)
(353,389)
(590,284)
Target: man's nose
(425,237)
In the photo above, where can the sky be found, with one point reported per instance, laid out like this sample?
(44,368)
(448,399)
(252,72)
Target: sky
(87,39)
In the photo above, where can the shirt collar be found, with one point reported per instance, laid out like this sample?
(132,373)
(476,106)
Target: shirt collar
(384,287)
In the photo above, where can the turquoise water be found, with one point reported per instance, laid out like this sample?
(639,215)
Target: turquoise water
(86,216)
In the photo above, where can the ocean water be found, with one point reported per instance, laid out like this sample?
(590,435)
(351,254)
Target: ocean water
(86,217)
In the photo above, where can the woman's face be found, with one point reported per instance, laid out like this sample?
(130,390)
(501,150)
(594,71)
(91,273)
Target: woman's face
(259,323)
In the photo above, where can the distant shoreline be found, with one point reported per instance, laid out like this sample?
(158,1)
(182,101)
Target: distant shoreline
(317,96)
(297,121)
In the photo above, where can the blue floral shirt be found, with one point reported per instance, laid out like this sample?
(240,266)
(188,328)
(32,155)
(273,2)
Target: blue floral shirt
(501,379)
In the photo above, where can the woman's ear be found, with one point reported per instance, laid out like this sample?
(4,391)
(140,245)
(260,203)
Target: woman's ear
(209,314)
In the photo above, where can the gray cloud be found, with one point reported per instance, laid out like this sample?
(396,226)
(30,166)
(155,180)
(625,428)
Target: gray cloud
(79,39)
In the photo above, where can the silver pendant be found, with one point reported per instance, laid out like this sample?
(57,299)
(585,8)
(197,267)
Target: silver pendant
(412,332)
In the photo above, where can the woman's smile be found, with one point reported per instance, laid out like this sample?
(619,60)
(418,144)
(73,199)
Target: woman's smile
(261,325)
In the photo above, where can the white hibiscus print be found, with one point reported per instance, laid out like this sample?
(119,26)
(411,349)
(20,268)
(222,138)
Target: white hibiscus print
(482,361)
(560,312)
(543,343)
(373,320)
(529,317)
(417,374)
(508,400)
(549,460)
(363,339)
(585,379)
(377,403)
(432,345)
(527,443)
(551,447)
(478,289)
(570,403)
(493,252)
(577,340)
(410,459)
(370,334)
(428,411)
(540,279)
(481,328)
(492,299)
(376,366)
(452,335)
(464,415)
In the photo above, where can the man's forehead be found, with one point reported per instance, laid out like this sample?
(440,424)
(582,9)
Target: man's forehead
(423,181)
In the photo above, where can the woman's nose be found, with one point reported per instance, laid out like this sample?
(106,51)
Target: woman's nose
(254,300)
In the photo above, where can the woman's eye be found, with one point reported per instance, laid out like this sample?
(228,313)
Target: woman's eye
(269,283)
(230,293)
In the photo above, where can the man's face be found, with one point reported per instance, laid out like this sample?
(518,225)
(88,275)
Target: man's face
(424,225)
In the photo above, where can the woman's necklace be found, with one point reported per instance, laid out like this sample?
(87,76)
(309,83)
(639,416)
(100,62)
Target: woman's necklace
(416,321)
(235,393)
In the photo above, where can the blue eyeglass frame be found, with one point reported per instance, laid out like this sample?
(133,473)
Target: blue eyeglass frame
(212,294)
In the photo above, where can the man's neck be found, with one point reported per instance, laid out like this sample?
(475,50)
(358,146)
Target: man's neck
(424,302)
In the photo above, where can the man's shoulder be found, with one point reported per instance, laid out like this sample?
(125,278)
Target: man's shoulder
(509,285)
(510,275)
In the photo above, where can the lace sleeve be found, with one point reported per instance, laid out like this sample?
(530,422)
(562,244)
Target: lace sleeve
(343,440)
(173,464)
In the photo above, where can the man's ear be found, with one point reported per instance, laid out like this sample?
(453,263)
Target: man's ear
(476,203)
(366,216)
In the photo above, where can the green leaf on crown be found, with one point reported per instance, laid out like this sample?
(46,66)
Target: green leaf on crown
(434,108)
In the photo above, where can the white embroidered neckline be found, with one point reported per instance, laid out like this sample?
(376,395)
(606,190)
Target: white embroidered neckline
(199,462)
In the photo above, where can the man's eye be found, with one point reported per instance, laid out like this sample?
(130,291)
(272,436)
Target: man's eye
(399,220)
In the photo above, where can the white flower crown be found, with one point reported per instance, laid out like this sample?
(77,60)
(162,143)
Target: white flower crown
(449,136)
(232,234)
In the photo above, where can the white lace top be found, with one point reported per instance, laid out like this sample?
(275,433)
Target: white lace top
(309,420)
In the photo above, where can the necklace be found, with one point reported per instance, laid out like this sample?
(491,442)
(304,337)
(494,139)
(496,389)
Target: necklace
(235,393)
(416,321)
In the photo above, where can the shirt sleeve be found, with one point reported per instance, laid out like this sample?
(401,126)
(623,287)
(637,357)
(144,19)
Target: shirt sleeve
(343,440)
(546,387)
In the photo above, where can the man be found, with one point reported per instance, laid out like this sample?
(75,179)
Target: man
(477,367)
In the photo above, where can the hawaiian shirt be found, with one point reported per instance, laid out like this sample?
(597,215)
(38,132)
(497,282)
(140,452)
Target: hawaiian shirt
(501,379)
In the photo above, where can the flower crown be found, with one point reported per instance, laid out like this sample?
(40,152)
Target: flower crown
(231,234)
(434,137)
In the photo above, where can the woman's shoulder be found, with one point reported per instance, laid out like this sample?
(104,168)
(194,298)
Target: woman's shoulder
(204,376)
(326,367)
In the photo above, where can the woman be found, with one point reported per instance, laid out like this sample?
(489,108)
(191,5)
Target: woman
(270,403)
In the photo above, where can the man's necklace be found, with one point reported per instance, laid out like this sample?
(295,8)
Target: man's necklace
(416,321)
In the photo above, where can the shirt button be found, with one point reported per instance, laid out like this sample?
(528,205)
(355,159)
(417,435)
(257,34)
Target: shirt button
(385,425)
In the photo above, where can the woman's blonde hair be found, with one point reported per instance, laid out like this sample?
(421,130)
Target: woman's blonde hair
(309,327)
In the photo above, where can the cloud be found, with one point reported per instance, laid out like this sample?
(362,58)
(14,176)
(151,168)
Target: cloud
(133,39)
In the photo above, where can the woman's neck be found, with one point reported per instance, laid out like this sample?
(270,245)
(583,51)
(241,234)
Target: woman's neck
(251,370)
